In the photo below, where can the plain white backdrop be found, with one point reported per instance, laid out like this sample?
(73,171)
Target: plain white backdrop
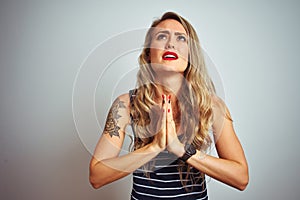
(253,44)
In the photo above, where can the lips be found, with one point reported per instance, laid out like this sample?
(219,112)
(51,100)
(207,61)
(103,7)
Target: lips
(168,55)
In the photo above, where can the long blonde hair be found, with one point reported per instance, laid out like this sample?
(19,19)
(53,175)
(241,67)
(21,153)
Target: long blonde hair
(194,98)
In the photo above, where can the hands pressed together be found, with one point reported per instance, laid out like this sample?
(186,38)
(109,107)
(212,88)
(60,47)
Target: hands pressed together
(166,136)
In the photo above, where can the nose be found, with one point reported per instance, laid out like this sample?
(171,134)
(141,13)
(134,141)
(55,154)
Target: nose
(170,46)
(170,43)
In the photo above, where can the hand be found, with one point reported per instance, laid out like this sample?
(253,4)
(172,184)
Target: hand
(165,129)
(173,144)
(158,117)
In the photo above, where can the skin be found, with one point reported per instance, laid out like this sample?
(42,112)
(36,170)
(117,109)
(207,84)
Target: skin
(107,166)
(169,35)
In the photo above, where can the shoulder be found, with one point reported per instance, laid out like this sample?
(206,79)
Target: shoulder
(219,108)
(218,104)
(119,113)
(127,98)
(122,102)
(124,98)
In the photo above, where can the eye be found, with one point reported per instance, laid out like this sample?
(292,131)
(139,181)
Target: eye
(181,38)
(161,37)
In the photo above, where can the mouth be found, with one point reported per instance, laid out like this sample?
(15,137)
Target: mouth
(170,56)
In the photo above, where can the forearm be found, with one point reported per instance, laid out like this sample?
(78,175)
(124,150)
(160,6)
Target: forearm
(108,170)
(227,171)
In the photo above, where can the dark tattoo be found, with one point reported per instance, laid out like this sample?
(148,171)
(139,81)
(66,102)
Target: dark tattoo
(111,125)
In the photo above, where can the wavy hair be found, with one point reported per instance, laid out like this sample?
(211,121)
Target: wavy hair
(194,97)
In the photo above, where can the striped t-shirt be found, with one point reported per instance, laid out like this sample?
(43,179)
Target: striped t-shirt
(163,182)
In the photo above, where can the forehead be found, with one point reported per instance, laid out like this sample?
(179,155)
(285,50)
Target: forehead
(171,24)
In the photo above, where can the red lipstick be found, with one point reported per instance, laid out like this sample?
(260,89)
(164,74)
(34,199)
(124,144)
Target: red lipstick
(169,55)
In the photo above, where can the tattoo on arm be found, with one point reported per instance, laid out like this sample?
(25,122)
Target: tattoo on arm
(111,125)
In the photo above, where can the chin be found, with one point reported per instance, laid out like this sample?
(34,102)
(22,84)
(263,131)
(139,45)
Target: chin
(167,68)
(166,73)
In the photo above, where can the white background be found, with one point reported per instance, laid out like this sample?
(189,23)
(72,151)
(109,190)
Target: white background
(254,44)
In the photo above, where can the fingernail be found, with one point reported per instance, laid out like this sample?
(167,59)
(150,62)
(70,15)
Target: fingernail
(169,97)
(163,97)
(168,110)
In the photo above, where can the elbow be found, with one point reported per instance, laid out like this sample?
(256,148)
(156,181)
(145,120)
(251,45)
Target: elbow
(96,186)
(94,183)
(243,185)
(243,181)
(95,178)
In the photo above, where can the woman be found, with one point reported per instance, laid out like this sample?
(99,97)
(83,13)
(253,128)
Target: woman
(172,112)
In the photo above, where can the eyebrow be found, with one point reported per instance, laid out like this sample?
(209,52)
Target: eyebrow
(168,32)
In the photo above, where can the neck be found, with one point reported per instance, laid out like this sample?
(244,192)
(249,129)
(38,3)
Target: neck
(169,83)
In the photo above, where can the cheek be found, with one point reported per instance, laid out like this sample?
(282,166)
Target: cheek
(157,47)
(184,52)
(155,54)
(157,44)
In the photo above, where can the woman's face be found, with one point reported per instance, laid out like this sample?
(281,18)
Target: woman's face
(169,47)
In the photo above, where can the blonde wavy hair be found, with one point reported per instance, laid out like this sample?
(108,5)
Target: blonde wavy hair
(194,98)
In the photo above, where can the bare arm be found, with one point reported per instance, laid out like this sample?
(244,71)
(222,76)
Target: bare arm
(231,166)
(106,165)
(105,171)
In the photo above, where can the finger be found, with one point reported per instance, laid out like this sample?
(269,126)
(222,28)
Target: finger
(164,110)
(171,128)
(169,110)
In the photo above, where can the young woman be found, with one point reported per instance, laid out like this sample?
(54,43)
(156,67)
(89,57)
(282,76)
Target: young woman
(172,113)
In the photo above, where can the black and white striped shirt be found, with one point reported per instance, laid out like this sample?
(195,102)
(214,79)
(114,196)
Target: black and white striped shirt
(163,182)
